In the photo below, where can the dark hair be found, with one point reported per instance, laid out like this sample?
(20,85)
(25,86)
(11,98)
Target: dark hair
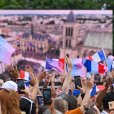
(90,111)
(72,102)
(107,98)
(112,88)
(27,106)
(42,108)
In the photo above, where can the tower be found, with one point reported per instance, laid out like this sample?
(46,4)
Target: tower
(32,29)
(70,35)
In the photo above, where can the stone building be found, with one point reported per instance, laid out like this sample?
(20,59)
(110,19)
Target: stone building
(93,39)
(36,44)
(70,36)
(96,40)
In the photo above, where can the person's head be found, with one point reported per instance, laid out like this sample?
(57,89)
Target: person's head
(90,111)
(72,102)
(10,102)
(47,111)
(27,105)
(60,105)
(9,85)
(107,98)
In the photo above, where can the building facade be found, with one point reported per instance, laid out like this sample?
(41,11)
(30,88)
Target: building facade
(37,44)
(93,37)
(70,36)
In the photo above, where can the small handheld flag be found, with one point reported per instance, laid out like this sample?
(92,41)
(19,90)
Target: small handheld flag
(98,56)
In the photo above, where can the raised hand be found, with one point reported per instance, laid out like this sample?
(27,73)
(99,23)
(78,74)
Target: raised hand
(41,76)
(29,69)
(34,80)
(68,61)
(89,84)
(82,90)
(90,102)
(52,78)
(13,72)
(109,81)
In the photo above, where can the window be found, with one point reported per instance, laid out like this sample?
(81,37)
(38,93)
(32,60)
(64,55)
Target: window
(69,43)
(66,31)
(71,31)
(66,43)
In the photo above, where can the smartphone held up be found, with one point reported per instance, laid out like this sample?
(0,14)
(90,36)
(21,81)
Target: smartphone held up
(77,81)
(21,86)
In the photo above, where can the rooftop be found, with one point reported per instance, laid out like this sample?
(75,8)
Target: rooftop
(36,36)
(71,17)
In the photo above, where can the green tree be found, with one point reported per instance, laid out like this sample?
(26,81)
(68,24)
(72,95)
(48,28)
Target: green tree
(58,4)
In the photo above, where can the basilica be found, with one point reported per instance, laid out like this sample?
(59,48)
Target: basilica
(93,37)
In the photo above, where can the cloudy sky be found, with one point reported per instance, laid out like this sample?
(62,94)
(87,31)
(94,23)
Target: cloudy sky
(109,12)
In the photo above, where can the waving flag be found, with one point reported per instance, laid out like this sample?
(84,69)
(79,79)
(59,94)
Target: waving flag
(98,56)
(109,64)
(57,64)
(93,92)
(6,50)
(94,67)
(77,68)
(24,75)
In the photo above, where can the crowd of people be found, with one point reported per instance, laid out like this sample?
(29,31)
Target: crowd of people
(17,97)
(35,66)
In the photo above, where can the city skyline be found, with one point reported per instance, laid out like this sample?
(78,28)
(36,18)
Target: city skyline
(53,36)
(52,12)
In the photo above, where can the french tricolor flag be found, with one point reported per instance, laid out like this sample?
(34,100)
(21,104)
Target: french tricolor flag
(78,68)
(98,56)
(25,75)
(57,64)
(95,67)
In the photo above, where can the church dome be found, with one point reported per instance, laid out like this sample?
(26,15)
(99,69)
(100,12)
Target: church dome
(71,17)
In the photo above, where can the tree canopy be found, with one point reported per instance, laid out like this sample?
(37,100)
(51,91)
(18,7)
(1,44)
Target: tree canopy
(58,4)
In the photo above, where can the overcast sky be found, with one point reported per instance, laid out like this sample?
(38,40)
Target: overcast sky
(109,12)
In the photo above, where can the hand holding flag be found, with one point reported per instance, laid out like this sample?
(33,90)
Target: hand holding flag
(69,63)
(98,56)
(93,92)
(57,64)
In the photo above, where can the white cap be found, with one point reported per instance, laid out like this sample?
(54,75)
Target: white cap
(10,85)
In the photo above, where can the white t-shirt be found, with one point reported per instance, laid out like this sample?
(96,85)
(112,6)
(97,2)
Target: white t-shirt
(104,112)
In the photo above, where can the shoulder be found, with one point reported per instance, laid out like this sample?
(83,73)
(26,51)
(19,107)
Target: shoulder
(104,112)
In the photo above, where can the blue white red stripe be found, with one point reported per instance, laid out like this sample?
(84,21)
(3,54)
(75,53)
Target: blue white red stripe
(98,56)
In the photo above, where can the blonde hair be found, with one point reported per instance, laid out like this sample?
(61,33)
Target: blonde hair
(9,102)
(61,105)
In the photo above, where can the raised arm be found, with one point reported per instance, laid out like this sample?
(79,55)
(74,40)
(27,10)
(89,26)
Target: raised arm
(103,92)
(66,83)
(87,93)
